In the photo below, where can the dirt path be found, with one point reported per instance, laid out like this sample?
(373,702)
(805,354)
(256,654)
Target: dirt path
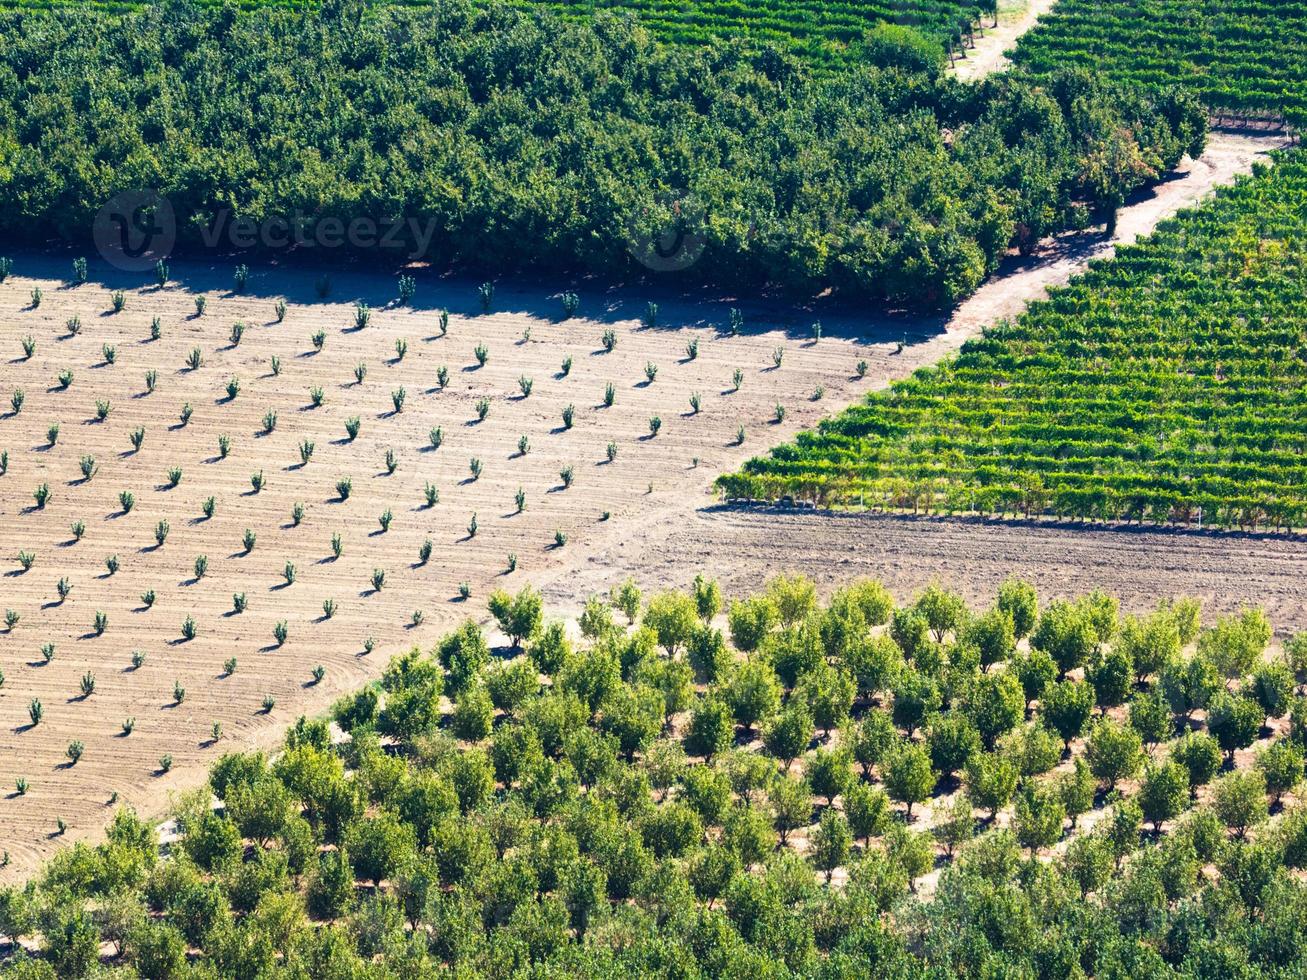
(990,53)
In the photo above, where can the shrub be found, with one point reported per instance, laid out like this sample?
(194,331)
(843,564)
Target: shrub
(207,506)
(318,673)
(165,763)
(65,379)
(519,499)
(29,347)
(306,451)
(695,403)
(442,377)
(692,350)
(174,476)
(35,711)
(316,396)
(148,597)
(566,367)
(237,332)
(482,409)
(385,519)
(777,356)
(378,579)
(138,659)
(195,359)
(328,608)
(360,372)
(337,546)
(257,481)
(472,526)
(407,287)
(655,424)
(238,602)
(318,339)
(201,566)
(482,354)
(186,413)
(486,294)
(650,371)
(566,475)
(64,588)
(737,379)
(397,399)
(560,538)
(288,572)
(279,310)
(269,422)
(200,303)
(569,412)
(16,400)
(240,278)
(118,300)
(431,494)
(280,631)
(391,462)
(74,752)
(188,628)
(609,341)
(352,426)
(650,317)
(27,559)
(111,564)
(611,451)
(137,438)
(401,348)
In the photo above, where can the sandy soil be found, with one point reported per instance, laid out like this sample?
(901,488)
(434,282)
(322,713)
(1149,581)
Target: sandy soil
(651,491)
(990,53)
(1140,566)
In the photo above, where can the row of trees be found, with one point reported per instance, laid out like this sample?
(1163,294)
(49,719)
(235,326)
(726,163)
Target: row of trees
(656,800)
(505,139)
(1160,386)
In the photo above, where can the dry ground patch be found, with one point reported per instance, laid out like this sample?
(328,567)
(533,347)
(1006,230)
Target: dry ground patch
(128,764)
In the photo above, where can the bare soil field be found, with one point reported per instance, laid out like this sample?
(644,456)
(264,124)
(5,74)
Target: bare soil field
(651,490)
(1139,565)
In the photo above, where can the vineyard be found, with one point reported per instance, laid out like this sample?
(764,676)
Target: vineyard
(1241,59)
(1165,385)
(651,798)
(823,34)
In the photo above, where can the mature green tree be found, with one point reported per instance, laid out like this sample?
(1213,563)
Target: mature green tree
(909,778)
(1066,709)
(1188,684)
(753,693)
(829,773)
(953,740)
(379,847)
(1114,752)
(996,705)
(674,617)
(1163,793)
(916,698)
(991,781)
(868,810)
(831,842)
(1239,799)
(1200,755)
(1066,633)
(1021,603)
(789,734)
(519,617)
(1281,764)
(1234,721)
(711,730)
(1038,818)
